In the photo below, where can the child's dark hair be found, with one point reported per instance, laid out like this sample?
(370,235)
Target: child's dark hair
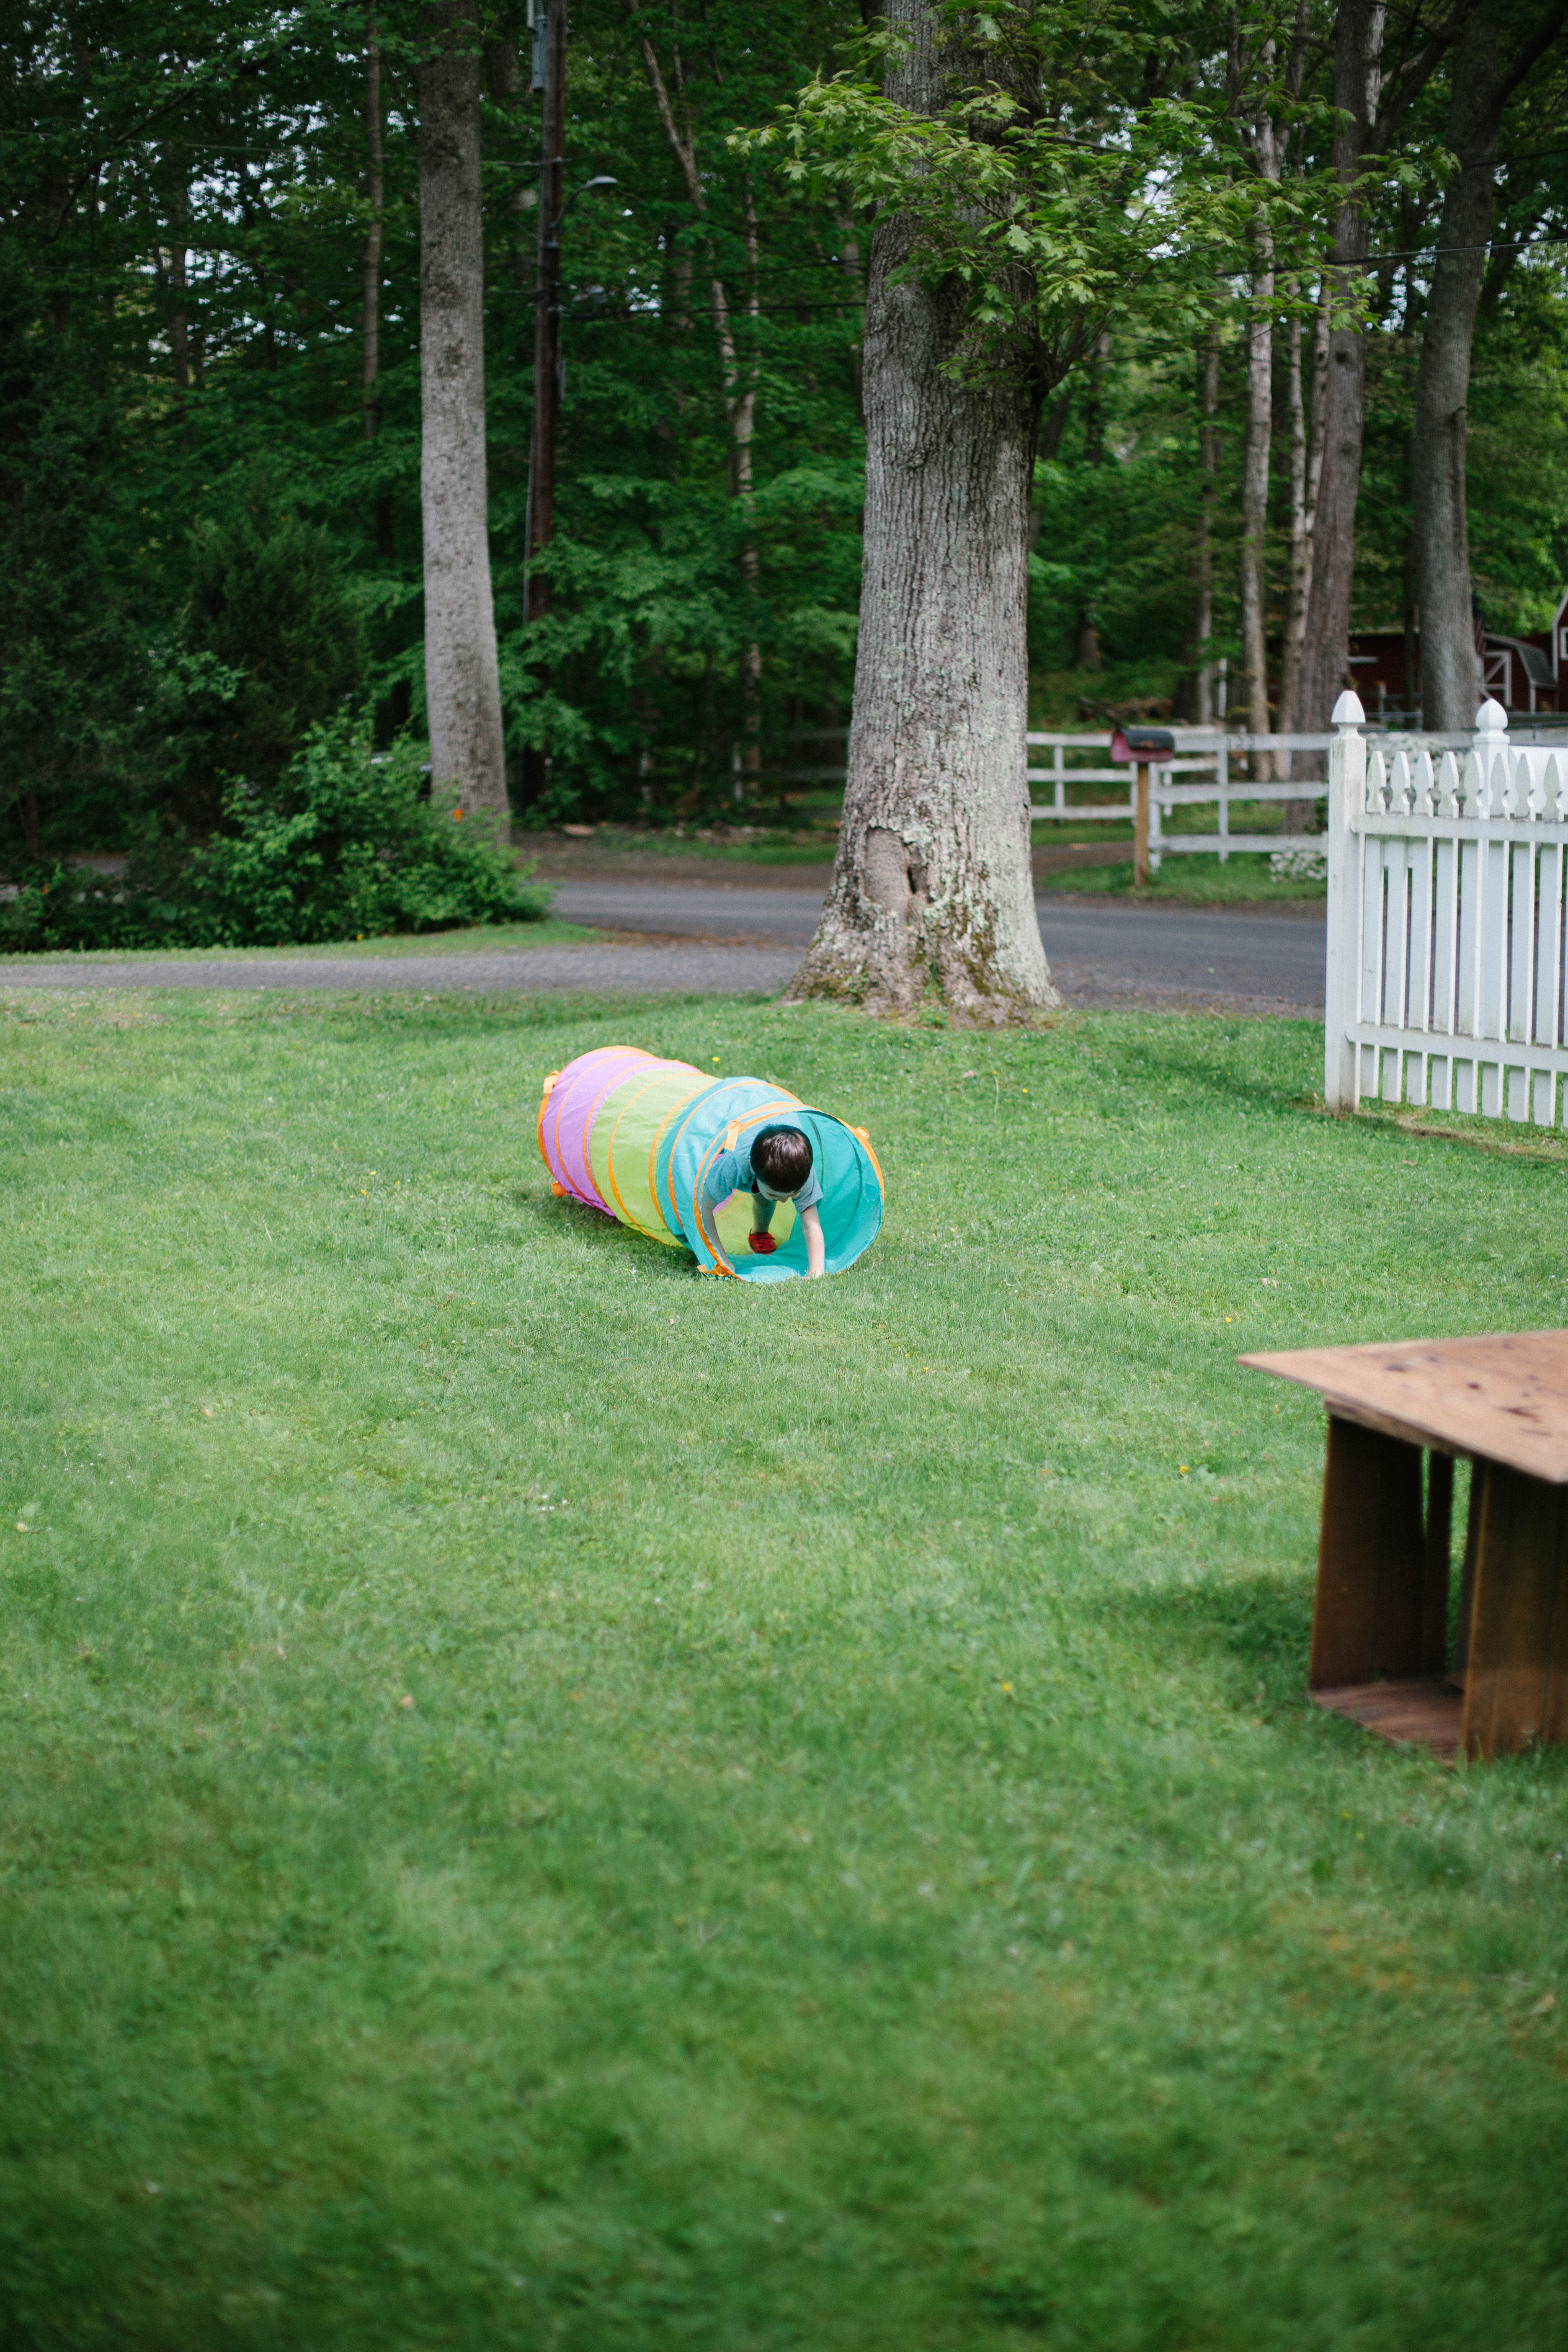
(782,1157)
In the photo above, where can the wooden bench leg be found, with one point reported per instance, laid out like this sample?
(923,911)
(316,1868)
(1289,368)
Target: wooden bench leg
(1516,1641)
(1468,1576)
(1371,1614)
(1437,1545)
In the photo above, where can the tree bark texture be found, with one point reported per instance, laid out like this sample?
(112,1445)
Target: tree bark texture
(1203,559)
(1306,468)
(461,681)
(933,890)
(1299,556)
(1358,54)
(1487,70)
(1254,465)
(547,311)
(1450,673)
(540,523)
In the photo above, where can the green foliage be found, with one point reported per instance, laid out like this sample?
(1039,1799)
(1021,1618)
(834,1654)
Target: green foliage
(269,611)
(204,551)
(857,1867)
(257,166)
(66,661)
(345,847)
(1117,512)
(1083,168)
(349,847)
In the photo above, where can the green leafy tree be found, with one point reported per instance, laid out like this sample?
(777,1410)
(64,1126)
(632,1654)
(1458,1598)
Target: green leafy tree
(1036,170)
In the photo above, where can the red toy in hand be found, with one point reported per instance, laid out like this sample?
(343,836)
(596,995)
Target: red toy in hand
(763,1245)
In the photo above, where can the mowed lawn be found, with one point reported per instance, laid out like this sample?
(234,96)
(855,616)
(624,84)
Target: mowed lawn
(551,1802)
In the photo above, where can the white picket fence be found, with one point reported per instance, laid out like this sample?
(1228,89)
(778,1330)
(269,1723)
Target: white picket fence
(1206,751)
(1447,920)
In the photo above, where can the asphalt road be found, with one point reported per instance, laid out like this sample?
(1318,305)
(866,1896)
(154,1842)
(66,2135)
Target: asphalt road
(1242,959)
(745,937)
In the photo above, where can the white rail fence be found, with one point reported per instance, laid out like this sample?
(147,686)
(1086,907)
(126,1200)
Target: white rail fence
(1200,752)
(1448,921)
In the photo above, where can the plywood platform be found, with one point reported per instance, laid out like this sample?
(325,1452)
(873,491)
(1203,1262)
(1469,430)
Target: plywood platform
(1424,1712)
(1503,1396)
(1380,1619)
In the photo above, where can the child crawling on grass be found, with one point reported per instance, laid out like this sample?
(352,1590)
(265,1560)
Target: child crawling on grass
(775,1167)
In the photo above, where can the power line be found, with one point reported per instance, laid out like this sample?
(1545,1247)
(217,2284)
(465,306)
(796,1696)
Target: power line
(1419,252)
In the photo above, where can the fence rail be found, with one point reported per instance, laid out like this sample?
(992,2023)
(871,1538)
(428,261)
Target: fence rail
(1207,750)
(1448,939)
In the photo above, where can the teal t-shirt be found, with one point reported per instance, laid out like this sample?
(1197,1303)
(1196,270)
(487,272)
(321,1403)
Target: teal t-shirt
(732,1173)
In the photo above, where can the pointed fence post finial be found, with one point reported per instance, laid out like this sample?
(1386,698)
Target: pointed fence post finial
(1348,712)
(1492,719)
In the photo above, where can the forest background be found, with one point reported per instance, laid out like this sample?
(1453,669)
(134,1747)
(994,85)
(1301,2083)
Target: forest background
(210,533)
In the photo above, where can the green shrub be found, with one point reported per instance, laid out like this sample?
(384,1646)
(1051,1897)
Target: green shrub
(346,845)
(270,612)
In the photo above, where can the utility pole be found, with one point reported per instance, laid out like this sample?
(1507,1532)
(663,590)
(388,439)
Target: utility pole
(549,38)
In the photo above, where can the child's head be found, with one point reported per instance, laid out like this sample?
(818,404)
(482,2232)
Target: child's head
(781,1161)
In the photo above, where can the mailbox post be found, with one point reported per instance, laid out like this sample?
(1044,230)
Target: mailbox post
(1141,747)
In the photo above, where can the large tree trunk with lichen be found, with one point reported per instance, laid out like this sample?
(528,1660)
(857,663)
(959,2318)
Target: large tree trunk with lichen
(461,681)
(1450,672)
(1359,26)
(933,893)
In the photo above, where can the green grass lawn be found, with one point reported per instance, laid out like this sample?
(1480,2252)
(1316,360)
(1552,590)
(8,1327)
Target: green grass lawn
(551,1802)
(1199,880)
(469,939)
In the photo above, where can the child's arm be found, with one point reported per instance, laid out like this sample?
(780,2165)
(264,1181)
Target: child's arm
(815,1247)
(761,1211)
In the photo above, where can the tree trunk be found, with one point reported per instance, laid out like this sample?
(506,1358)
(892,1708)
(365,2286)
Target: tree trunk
(1203,561)
(1300,555)
(1357,49)
(1450,673)
(1483,81)
(933,892)
(1306,467)
(370,331)
(1255,468)
(175,279)
(540,520)
(462,683)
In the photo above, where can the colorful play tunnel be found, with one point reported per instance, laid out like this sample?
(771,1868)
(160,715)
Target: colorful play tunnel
(643,1139)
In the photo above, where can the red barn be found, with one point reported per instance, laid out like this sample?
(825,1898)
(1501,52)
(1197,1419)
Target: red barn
(1522,672)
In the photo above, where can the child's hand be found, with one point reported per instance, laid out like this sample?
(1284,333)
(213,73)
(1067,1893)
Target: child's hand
(764,1245)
